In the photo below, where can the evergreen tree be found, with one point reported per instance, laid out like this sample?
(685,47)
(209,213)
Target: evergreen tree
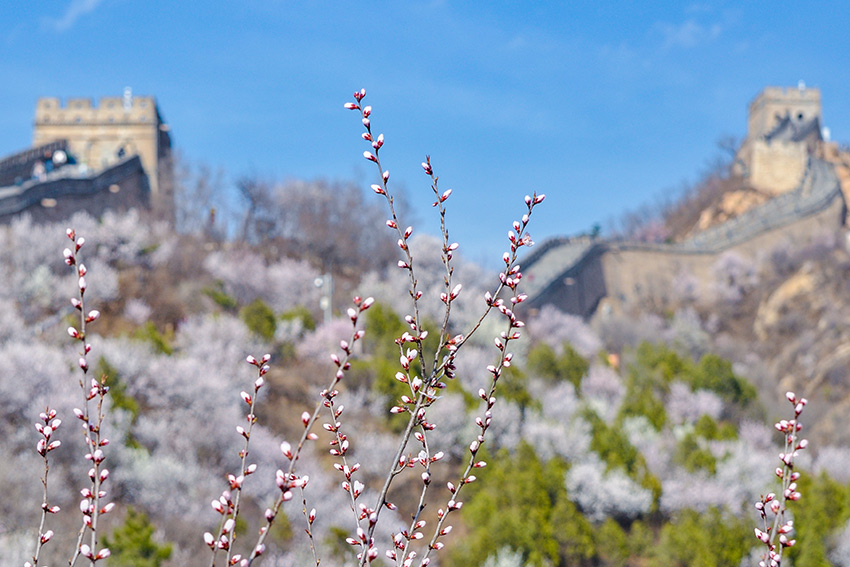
(132,544)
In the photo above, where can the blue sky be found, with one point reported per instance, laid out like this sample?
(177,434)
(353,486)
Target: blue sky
(603,106)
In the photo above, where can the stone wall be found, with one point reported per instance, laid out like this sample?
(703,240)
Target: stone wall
(632,273)
(635,276)
(776,167)
(122,187)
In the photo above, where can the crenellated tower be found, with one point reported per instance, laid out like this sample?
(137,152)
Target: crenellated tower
(783,130)
(116,128)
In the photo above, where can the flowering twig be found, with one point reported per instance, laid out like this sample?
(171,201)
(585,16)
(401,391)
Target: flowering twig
(781,527)
(289,480)
(49,424)
(227,505)
(94,494)
(424,389)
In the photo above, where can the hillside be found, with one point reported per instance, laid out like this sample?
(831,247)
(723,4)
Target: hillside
(639,436)
(586,445)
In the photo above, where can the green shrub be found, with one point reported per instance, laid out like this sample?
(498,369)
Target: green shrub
(259,318)
(822,511)
(511,506)
(300,313)
(641,400)
(383,327)
(657,366)
(613,545)
(218,295)
(715,374)
(708,539)
(132,544)
(707,428)
(611,444)
(513,387)
(117,389)
(150,334)
(574,534)
(570,366)
(693,456)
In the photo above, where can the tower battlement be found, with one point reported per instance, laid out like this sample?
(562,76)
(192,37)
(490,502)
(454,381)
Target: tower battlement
(107,110)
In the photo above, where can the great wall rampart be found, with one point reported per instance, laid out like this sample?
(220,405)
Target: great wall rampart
(577,274)
(54,197)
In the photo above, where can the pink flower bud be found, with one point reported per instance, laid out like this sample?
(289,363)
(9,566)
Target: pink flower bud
(370,156)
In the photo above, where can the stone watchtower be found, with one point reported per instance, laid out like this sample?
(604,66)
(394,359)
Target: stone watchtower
(115,129)
(783,129)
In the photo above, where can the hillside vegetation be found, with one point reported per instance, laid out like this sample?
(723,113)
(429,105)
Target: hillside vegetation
(639,440)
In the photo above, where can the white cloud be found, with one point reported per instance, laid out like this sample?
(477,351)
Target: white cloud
(76,9)
(689,33)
